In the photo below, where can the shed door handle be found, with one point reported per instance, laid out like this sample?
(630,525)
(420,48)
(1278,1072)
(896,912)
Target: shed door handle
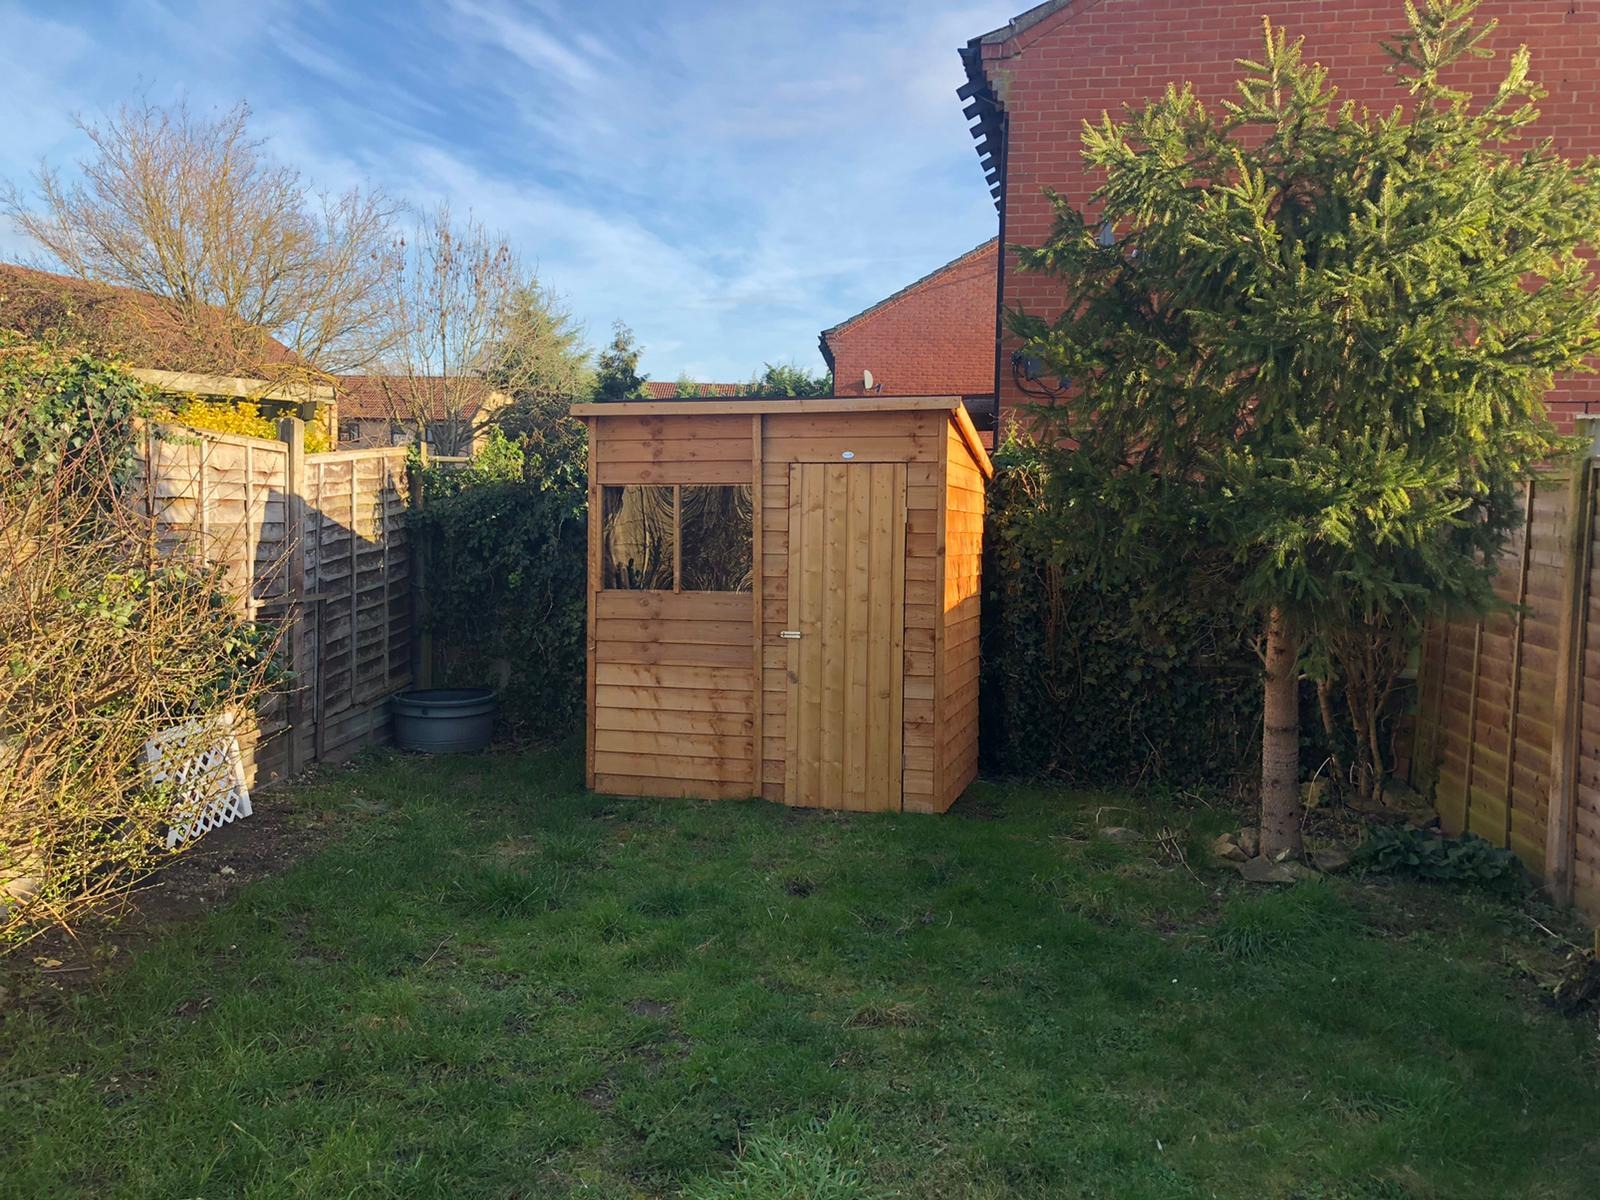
(789,633)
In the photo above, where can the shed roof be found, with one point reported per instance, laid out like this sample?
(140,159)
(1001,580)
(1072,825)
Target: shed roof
(787,405)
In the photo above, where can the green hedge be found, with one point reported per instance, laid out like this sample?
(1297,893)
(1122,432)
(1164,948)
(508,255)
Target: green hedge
(1085,677)
(507,549)
(1097,676)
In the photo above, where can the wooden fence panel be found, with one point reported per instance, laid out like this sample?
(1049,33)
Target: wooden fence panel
(1579,841)
(341,580)
(358,583)
(1508,727)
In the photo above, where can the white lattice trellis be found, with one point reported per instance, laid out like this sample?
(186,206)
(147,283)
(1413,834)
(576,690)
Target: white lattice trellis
(200,761)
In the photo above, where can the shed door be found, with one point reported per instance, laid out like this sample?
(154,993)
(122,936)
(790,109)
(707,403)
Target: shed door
(847,586)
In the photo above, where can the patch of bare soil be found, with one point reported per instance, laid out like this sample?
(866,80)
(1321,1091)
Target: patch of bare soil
(57,963)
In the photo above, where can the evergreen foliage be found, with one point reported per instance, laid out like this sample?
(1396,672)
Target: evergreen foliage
(1143,678)
(243,417)
(59,406)
(787,379)
(508,570)
(541,357)
(617,372)
(1319,337)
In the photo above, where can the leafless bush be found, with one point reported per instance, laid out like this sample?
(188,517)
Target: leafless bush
(193,209)
(103,643)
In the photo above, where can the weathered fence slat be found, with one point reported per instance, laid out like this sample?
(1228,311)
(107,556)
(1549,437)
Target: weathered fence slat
(1514,710)
(1569,683)
(273,515)
(1526,710)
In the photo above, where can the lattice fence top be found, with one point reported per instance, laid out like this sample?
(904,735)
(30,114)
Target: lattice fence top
(201,764)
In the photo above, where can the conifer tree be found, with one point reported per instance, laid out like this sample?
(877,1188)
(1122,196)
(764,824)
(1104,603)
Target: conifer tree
(617,369)
(1319,338)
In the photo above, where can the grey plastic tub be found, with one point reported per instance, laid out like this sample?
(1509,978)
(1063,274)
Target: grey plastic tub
(444,720)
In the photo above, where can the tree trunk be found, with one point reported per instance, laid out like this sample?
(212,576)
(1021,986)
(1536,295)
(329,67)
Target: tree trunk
(1375,751)
(1280,741)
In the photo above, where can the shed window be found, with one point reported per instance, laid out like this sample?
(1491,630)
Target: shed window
(714,525)
(639,527)
(688,538)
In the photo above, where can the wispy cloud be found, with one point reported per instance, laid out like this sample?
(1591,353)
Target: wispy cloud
(530,41)
(729,179)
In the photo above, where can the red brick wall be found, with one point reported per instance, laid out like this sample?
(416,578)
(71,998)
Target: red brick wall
(1101,54)
(934,339)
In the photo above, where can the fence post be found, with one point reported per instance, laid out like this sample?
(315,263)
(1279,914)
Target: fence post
(422,636)
(1518,635)
(1560,812)
(292,433)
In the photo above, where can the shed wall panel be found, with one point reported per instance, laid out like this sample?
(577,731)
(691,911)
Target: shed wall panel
(963,575)
(689,692)
(674,694)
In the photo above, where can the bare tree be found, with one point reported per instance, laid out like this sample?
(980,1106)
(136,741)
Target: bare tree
(192,209)
(462,343)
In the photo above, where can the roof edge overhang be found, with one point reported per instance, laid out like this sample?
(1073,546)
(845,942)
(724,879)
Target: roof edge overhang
(985,105)
(234,387)
(789,405)
(827,350)
(751,405)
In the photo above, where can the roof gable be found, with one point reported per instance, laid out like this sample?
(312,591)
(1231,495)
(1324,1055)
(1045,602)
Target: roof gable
(986,102)
(1024,22)
(930,279)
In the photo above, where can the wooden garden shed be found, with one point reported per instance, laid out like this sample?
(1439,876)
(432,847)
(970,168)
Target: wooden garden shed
(783,600)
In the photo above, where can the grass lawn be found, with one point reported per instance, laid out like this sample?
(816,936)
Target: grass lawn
(492,984)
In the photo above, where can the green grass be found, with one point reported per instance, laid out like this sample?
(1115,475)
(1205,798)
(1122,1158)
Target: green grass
(496,985)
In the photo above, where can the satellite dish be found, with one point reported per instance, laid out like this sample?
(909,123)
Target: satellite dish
(866,380)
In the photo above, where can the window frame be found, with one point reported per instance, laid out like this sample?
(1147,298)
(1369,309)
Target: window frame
(677,541)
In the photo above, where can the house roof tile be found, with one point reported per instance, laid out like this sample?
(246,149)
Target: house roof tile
(139,327)
(666,390)
(381,397)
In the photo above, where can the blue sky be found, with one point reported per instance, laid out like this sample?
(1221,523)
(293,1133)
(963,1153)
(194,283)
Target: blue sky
(729,178)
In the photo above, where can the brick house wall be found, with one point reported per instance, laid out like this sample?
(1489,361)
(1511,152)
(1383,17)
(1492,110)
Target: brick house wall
(934,337)
(1065,62)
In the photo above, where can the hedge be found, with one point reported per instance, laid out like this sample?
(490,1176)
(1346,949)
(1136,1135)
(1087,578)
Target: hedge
(1097,677)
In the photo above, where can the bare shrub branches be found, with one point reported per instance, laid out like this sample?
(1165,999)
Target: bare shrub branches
(452,302)
(105,641)
(192,209)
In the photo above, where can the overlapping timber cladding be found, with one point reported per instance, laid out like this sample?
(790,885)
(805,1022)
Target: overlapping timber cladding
(1507,734)
(783,600)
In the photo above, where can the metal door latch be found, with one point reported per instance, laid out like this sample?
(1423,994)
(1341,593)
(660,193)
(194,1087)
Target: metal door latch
(789,633)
